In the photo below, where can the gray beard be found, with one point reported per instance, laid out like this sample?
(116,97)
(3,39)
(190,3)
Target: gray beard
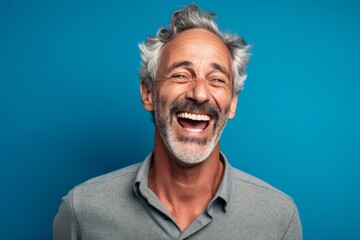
(188,152)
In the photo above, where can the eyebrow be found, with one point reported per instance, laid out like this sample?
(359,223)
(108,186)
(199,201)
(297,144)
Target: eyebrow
(220,68)
(179,64)
(188,63)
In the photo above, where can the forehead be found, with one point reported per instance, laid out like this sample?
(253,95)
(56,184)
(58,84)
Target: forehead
(194,45)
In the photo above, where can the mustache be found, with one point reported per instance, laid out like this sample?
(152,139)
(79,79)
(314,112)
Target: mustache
(191,106)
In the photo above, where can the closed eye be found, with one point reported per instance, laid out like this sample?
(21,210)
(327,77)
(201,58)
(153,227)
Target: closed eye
(218,81)
(178,76)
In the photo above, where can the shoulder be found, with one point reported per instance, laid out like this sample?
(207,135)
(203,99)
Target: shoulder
(263,205)
(91,204)
(244,178)
(104,188)
(123,173)
(101,192)
(120,180)
(259,193)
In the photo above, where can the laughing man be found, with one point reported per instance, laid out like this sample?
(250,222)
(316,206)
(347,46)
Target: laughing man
(191,74)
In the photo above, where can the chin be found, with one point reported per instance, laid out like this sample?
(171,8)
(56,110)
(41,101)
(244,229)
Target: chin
(190,152)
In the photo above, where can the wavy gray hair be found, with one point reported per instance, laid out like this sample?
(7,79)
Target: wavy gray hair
(188,18)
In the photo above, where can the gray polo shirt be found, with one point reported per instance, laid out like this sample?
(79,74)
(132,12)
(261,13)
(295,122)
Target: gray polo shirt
(119,205)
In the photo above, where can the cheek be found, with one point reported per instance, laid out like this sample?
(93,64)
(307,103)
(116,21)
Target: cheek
(162,90)
(223,99)
(169,91)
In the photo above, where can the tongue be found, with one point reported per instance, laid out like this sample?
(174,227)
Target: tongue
(188,123)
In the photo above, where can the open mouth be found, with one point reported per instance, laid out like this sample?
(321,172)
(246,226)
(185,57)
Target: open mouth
(193,122)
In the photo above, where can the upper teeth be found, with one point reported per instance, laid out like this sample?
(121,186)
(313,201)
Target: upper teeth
(192,116)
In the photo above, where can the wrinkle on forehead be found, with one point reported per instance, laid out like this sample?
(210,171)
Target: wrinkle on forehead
(198,44)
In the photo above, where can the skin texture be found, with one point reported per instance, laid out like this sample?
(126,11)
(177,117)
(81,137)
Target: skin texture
(194,76)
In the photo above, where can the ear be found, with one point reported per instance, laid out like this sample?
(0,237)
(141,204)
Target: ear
(233,106)
(146,96)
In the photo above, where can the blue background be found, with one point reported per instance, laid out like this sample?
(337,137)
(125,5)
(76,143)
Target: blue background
(70,107)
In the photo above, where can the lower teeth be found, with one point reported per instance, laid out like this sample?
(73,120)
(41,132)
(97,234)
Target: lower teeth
(194,130)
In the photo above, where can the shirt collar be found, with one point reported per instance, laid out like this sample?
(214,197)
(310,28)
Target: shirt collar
(141,180)
(224,191)
(226,185)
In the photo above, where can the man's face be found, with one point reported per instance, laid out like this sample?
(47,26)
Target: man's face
(193,94)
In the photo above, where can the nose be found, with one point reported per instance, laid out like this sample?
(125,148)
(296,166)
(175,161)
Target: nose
(199,91)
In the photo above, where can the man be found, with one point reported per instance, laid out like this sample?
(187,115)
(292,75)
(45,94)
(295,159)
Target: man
(191,74)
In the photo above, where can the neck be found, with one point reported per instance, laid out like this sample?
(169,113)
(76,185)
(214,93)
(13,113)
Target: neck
(184,189)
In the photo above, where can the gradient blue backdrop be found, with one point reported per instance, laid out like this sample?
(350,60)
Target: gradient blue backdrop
(70,107)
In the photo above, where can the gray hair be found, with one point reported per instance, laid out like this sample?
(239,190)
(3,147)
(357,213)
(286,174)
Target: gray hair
(188,18)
